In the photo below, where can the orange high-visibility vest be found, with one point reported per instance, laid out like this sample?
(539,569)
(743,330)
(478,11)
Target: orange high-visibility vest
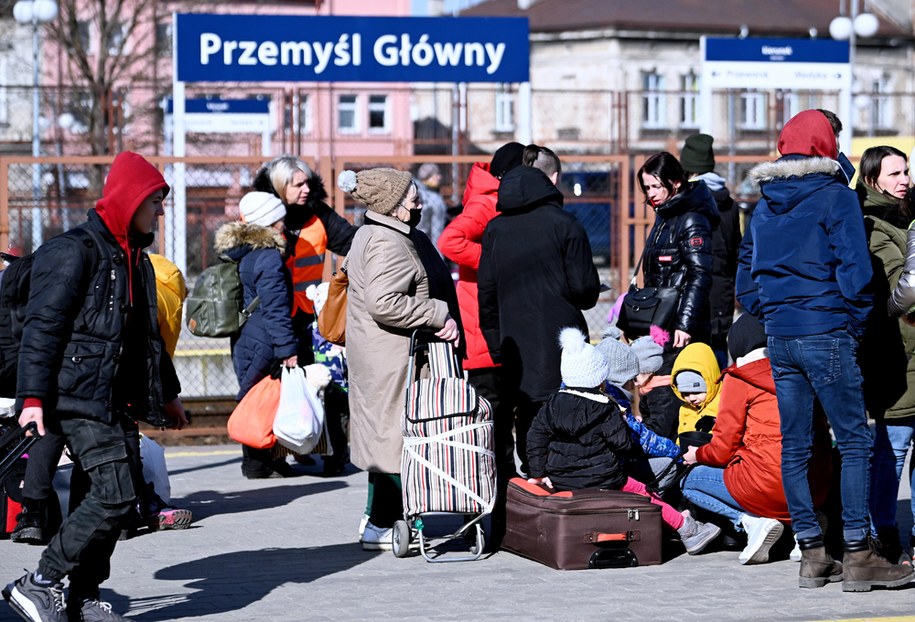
(306,264)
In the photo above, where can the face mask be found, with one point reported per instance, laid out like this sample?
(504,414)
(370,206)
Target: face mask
(415,216)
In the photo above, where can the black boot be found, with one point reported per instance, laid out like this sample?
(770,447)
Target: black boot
(30,523)
(817,567)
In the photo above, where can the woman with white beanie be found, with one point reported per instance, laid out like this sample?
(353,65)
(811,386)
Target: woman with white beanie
(397,283)
(256,244)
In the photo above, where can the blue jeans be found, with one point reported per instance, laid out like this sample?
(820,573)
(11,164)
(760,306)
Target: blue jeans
(892,439)
(822,367)
(704,486)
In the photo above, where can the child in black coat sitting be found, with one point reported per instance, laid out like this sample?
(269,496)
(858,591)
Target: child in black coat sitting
(579,438)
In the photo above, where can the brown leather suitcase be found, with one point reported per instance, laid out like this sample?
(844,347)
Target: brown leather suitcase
(588,528)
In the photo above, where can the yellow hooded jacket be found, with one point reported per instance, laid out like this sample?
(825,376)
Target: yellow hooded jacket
(171,291)
(697,357)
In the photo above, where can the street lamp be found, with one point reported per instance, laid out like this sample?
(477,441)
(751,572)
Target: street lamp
(849,28)
(35,12)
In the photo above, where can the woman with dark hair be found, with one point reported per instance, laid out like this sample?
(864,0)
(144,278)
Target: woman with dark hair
(886,348)
(678,253)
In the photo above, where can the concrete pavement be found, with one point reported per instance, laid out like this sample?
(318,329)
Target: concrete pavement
(286,549)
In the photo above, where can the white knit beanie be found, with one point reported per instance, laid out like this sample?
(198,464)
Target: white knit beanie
(581,365)
(622,361)
(261,208)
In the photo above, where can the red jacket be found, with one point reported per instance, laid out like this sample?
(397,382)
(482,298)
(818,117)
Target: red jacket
(747,443)
(461,243)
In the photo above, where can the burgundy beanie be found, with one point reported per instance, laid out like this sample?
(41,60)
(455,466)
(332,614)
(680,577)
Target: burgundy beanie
(808,133)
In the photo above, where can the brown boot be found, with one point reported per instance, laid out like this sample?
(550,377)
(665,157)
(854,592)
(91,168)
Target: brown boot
(863,569)
(817,567)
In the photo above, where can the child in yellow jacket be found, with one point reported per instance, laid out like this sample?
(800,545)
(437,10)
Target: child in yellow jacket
(696,383)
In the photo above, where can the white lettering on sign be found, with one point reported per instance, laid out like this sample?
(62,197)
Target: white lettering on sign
(777,53)
(388,50)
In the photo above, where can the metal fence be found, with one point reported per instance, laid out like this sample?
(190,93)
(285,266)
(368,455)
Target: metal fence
(598,190)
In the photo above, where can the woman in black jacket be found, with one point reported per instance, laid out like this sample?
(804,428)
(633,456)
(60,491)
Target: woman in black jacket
(678,253)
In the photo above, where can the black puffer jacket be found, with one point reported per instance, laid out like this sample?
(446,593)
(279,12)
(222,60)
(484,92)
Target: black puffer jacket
(74,343)
(576,439)
(536,276)
(679,254)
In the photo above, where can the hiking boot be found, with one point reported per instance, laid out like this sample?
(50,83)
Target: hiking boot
(38,603)
(863,569)
(377,538)
(695,536)
(29,527)
(762,533)
(888,546)
(817,567)
(93,610)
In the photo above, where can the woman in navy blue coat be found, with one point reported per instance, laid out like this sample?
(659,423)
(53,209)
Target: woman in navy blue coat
(257,244)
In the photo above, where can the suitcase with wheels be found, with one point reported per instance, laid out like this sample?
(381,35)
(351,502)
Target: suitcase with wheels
(588,528)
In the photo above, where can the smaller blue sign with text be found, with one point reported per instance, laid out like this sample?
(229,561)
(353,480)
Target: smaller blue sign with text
(274,48)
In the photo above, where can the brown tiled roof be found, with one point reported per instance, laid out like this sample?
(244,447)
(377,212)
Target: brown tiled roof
(762,17)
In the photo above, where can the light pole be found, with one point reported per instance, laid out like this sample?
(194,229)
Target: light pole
(35,12)
(849,28)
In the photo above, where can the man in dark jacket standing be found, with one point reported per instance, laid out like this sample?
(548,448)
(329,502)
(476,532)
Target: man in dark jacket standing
(536,276)
(91,364)
(698,160)
(805,271)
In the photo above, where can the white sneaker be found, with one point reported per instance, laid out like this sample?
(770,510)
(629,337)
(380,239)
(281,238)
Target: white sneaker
(362,524)
(377,538)
(795,555)
(762,533)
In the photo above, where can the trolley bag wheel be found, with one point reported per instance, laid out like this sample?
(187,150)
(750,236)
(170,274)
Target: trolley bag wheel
(400,539)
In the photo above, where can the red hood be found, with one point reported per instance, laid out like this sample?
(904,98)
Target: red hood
(480,181)
(810,134)
(131,179)
(758,373)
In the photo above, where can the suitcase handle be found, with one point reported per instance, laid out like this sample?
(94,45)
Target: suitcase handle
(613,558)
(22,445)
(602,537)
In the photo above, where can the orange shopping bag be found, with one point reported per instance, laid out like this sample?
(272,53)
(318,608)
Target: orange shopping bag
(251,423)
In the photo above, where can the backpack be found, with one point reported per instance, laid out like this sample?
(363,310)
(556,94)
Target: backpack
(215,307)
(15,282)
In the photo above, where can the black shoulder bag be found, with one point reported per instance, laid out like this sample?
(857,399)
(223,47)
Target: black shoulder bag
(644,306)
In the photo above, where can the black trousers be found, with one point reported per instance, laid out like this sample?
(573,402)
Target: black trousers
(102,496)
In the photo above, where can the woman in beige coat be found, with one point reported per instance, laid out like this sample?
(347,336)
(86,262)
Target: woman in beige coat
(397,284)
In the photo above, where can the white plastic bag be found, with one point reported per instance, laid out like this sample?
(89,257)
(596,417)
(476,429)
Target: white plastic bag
(300,415)
(155,471)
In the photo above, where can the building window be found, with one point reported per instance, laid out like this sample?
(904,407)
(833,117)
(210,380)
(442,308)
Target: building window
(752,111)
(117,38)
(84,29)
(791,105)
(164,39)
(505,110)
(882,108)
(379,119)
(689,100)
(653,113)
(347,120)
(304,110)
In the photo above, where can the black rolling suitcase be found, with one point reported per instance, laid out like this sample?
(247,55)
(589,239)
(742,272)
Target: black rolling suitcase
(575,530)
(13,443)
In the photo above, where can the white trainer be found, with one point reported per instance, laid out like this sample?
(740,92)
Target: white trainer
(377,538)
(762,533)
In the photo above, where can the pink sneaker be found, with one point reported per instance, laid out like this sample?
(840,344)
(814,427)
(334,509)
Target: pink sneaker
(174,518)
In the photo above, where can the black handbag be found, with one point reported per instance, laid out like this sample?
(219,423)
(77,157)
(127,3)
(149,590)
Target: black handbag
(644,306)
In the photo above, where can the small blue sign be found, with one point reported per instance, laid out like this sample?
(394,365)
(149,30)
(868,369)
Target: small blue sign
(777,50)
(218,105)
(284,48)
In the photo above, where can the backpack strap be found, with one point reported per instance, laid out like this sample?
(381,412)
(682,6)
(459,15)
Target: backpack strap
(248,311)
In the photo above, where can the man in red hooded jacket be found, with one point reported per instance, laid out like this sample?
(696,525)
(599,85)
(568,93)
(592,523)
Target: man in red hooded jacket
(91,363)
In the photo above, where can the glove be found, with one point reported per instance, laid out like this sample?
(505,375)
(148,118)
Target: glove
(317,375)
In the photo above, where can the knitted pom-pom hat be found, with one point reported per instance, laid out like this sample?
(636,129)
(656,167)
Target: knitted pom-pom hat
(581,365)
(379,189)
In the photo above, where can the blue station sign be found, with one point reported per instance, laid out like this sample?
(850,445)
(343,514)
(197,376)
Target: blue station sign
(776,50)
(284,48)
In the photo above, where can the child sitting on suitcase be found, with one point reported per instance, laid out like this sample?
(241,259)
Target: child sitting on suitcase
(579,438)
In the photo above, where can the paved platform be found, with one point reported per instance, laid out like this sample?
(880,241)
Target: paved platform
(286,550)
